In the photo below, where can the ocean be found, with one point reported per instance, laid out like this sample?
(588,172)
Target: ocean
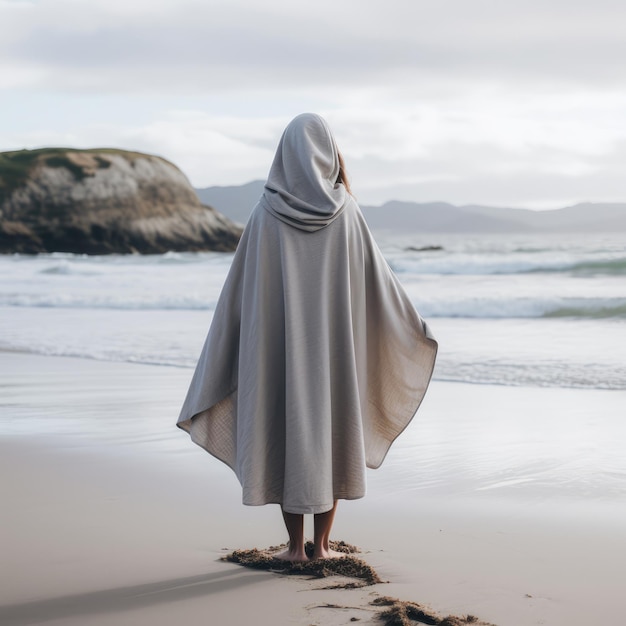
(514,310)
(529,395)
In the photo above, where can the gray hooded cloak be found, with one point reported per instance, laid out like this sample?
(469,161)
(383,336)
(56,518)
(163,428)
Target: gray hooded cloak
(316,360)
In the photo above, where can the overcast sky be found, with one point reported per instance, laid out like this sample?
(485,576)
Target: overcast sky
(468,101)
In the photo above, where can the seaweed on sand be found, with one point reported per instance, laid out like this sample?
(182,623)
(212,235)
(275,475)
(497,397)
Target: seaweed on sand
(392,611)
(401,613)
(348,566)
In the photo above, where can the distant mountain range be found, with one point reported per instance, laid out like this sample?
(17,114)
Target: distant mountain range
(441,217)
(238,201)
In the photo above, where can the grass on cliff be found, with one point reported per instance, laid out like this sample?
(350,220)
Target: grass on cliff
(16,166)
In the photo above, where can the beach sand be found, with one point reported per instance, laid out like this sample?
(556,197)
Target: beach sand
(111,516)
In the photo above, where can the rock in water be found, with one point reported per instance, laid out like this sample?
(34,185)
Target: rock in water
(103,201)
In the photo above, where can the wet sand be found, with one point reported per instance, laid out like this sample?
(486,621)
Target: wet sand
(111,516)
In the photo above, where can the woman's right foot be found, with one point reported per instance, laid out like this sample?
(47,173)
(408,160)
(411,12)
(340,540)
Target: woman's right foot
(327,554)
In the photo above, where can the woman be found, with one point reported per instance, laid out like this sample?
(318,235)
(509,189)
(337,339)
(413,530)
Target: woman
(316,360)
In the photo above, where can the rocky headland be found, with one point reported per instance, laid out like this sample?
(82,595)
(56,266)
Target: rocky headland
(103,201)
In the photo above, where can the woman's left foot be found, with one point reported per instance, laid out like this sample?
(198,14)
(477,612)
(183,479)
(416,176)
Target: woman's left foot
(294,556)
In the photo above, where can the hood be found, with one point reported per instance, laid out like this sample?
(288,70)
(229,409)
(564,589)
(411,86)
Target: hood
(301,187)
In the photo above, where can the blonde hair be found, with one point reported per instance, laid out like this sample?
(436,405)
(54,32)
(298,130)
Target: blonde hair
(342,176)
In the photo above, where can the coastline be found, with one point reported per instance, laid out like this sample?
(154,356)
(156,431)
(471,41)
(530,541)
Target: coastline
(113,516)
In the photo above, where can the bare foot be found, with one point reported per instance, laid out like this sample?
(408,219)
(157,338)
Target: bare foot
(294,556)
(328,554)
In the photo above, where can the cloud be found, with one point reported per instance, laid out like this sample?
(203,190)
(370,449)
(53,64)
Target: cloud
(475,101)
(531,189)
(240,44)
(208,149)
